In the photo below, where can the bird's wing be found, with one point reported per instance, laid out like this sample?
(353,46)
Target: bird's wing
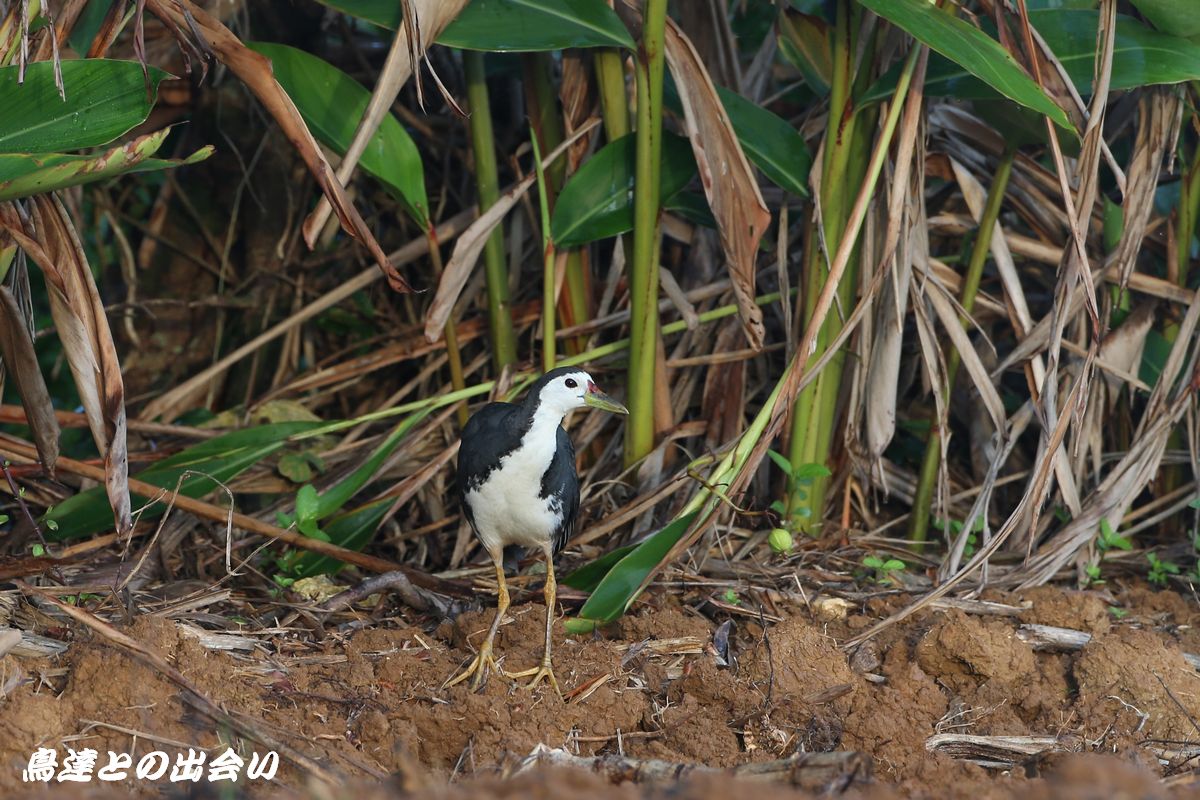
(482,448)
(561,479)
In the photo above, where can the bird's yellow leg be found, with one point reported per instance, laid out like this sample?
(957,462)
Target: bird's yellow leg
(484,661)
(546,670)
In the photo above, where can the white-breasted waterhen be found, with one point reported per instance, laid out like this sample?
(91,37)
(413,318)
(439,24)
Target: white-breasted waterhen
(517,480)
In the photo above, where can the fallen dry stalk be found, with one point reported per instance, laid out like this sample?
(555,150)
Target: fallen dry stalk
(251,525)
(835,770)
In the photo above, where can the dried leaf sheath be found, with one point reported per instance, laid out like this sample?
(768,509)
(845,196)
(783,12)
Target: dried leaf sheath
(49,238)
(729,183)
(16,347)
(255,71)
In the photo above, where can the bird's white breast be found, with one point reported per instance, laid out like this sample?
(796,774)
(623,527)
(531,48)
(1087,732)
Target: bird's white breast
(506,505)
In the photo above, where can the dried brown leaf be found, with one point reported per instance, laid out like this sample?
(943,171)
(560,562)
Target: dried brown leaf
(729,184)
(254,70)
(17,349)
(49,238)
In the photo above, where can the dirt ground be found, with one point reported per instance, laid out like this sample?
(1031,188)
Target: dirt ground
(365,702)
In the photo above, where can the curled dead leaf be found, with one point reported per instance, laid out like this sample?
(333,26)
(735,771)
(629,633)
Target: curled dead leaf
(16,347)
(729,183)
(48,237)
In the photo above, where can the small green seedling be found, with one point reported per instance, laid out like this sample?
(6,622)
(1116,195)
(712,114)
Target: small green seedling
(38,550)
(1118,613)
(1160,570)
(1110,539)
(1093,575)
(885,570)
(731,597)
(800,479)
(952,528)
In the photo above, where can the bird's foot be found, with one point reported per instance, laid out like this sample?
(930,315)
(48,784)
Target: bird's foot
(483,663)
(544,671)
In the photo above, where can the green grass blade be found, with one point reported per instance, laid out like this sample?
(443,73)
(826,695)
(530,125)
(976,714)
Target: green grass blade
(972,49)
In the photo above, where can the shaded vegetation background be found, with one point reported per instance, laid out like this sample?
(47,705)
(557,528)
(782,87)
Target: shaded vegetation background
(896,292)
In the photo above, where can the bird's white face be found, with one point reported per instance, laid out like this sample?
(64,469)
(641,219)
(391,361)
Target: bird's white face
(575,390)
(567,392)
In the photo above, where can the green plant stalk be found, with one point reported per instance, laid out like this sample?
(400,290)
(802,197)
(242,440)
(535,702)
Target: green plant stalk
(548,298)
(844,167)
(643,269)
(610,77)
(548,129)
(487,181)
(923,501)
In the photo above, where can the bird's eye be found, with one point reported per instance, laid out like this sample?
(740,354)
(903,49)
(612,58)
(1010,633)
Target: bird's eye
(571,384)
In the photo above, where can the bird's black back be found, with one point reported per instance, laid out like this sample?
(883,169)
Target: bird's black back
(496,430)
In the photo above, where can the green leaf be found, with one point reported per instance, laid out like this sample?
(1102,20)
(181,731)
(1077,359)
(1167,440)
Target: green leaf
(811,472)
(805,41)
(770,142)
(1178,17)
(105,99)
(528,25)
(510,25)
(588,577)
(352,531)
(781,461)
(384,13)
(87,26)
(597,201)
(619,587)
(873,562)
(332,103)
(893,564)
(295,468)
(27,174)
(307,503)
(970,48)
(221,458)
(1141,57)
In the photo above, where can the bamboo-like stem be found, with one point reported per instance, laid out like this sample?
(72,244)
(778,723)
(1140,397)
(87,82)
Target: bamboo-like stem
(643,269)
(453,355)
(548,295)
(844,166)
(610,77)
(923,500)
(487,181)
(548,129)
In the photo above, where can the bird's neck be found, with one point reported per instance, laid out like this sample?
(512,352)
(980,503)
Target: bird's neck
(544,422)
